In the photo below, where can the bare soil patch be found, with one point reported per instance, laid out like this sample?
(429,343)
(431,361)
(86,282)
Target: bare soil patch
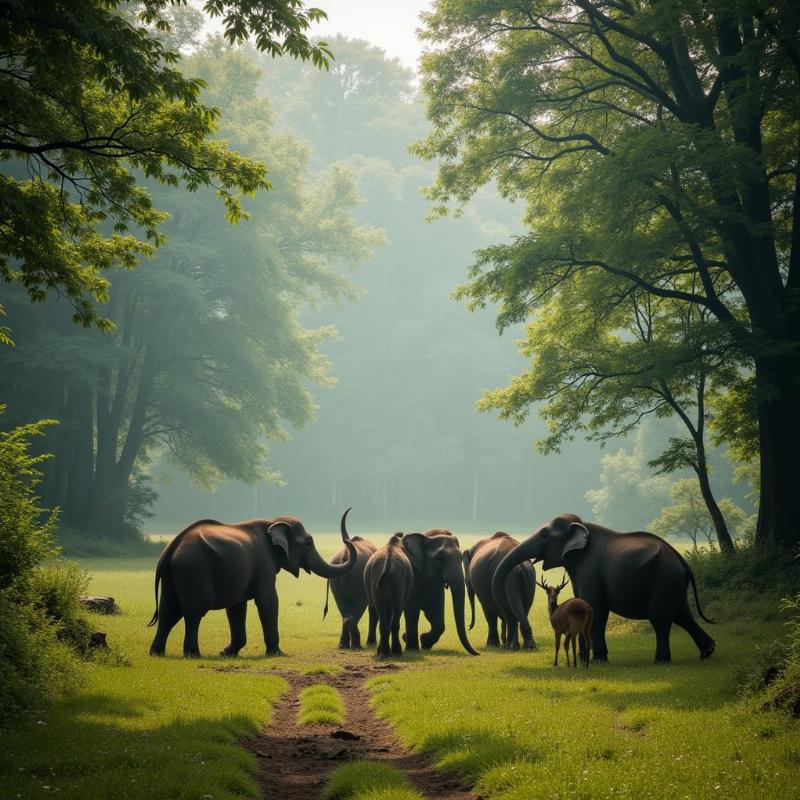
(296,760)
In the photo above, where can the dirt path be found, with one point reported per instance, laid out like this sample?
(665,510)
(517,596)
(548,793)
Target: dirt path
(296,760)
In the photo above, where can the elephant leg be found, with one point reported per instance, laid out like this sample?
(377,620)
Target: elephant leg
(412,628)
(267,605)
(662,628)
(169,615)
(397,648)
(683,617)
(515,603)
(372,615)
(344,639)
(191,621)
(493,639)
(512,635)
(503,633)
(237,619)
(599,646)
(434,613)
(355,634)
(558,647)
(385,627)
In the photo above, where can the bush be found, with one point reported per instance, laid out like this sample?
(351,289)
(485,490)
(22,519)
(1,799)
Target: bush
(75,544)
(56,591)
(26,529)
(746,584)
(34,665)
(38,609)
(784,690)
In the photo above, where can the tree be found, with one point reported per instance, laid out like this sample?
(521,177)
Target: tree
(207,360)
(688,516)
(91,102)
(654,144)
(602,357)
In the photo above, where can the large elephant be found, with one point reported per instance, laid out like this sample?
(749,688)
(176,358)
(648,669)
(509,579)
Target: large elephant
(210,565)
(436,559)
(636,575)
(388,582)
(351,596)
(480,563)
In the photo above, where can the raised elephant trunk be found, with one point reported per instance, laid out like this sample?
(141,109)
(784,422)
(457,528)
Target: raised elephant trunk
(457,594)
(522,552)
(318,565)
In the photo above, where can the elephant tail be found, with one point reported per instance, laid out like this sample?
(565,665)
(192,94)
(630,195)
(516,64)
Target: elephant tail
(694,587)
(164,560)
(327,590)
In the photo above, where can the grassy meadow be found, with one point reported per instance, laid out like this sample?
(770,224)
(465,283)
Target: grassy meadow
(507,723)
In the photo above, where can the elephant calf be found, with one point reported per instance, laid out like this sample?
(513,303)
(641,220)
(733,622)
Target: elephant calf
(388,581)
(351,596)
(480,563)
(210,565)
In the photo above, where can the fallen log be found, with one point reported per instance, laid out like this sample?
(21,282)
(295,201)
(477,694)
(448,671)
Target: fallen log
(100,605)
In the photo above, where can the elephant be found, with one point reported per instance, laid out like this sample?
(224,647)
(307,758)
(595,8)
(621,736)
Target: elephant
(480,563)
(636,575)
(437,563)
(388,581)
(351,595)
(210,565)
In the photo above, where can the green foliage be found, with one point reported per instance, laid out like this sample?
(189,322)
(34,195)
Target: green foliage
(208,362)
(93,100)
(368,780)
(688,516)
(35,666)
(26,528)
(652,168)
(784,691)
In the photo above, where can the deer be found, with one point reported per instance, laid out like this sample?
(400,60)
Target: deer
(571,619)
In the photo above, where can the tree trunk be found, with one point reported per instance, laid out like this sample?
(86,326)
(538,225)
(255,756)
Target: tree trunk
(779,444)
(717,517)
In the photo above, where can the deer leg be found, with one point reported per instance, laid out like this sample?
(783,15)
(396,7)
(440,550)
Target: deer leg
(558,647)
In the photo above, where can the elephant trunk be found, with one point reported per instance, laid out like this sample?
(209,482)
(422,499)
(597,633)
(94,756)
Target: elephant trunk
(522,552)
(318,565)
(457,594)
(470,590)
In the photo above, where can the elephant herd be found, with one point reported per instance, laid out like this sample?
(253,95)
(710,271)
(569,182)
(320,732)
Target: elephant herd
(211,565)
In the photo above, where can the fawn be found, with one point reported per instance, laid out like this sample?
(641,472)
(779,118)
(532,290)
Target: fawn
(570,619)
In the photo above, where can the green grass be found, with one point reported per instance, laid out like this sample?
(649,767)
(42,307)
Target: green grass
(320,705)
(368,780)
(321,669)
(508,723)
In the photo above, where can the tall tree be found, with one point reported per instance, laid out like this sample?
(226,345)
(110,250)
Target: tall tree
(91,100)
(208,360)
(676,122)
(603,355)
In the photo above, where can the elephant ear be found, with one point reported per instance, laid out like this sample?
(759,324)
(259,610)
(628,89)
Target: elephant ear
(577,538)
(414,544)
(278,533)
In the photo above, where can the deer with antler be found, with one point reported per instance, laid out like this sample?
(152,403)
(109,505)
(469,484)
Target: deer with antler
(571,619)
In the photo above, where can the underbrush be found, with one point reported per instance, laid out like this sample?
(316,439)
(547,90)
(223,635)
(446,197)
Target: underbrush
(368,780)
(783,683)
(77,544)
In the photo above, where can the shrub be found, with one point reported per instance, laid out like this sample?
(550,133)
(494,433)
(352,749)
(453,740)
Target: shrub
(35,662)
(26,529)
(56,591)
(784,691)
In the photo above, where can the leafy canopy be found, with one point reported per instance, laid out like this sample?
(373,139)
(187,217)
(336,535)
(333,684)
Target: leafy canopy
(91,100)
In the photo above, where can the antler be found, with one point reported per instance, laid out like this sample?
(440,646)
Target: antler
(542,583)
(564,581)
